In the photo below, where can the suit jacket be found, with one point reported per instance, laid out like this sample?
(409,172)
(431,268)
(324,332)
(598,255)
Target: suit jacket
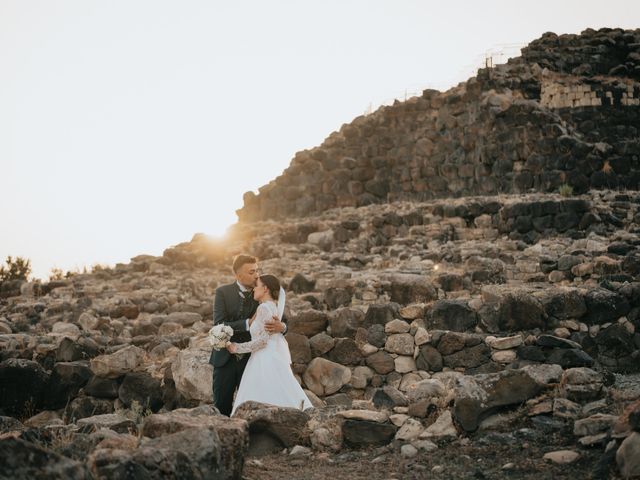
(232,309)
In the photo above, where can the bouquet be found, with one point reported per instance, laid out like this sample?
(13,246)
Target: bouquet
(219,335)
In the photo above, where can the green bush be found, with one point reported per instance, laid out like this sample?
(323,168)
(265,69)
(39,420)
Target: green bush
(18,269)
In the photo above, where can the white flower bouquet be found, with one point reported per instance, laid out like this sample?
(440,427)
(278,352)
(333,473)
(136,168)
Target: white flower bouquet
(219,335)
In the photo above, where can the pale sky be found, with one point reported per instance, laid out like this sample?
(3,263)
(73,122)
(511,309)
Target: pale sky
(128,126)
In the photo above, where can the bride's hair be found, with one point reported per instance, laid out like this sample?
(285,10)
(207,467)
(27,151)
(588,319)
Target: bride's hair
(273,285)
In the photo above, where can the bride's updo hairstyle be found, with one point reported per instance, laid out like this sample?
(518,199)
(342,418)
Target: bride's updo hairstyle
(273,285)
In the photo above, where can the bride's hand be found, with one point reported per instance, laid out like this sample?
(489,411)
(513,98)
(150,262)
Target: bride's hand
(232,347)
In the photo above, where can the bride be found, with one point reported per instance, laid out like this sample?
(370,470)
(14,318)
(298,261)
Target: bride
(267,377)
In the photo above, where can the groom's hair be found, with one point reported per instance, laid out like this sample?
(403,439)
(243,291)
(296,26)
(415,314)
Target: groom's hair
(242,259)
(273,284)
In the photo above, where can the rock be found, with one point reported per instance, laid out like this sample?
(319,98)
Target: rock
(594,424)
(451,342)
(381,314)
(336,297)
(471,357)
(552,341)
(408,451)
(396,326)
(142,388)
(561,457)
(288,425)
(400,343)
(308,322)
(404,364)
(421,337)
(442,428)
(562,303)
(426,389)
(362,433)
(604,306)
(186,319)
(232,432)
(323,240)
(381,362)
(23,460)
(504,343)
(299,347)
(425,445)
(118,363)
(83,407)
(43,419)
(23,386)
(628,456)
(324,377)
(581,384)
(192,374)
(615,341)
(509,310)
(504,356)
(345,352)
(569,358)
(112,421)
(66,380)
(409,288)
(361,377)
(321,344)
(389,397)
(369,415)
(454,315)
(544,374)
(409,431)
(563,408)
(339,399)
(429,359)
(478,396)
(10,424)
(300,451)
(301,284)
(412,312)
(376,335)
(102,387)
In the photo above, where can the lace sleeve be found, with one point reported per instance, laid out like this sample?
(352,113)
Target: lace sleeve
(262,337)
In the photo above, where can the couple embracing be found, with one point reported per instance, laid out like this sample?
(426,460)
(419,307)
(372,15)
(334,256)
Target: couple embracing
(257,360)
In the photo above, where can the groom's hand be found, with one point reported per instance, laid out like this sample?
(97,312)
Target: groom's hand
(274,325)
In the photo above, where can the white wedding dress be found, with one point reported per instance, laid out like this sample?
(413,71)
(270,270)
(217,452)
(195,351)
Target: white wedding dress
(268,378)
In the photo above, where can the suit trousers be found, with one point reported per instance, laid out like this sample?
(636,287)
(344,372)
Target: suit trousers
(226,379)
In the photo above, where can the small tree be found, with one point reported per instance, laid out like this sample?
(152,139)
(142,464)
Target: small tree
(18,269)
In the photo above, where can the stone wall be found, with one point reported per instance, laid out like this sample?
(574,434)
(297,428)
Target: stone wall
(504,131)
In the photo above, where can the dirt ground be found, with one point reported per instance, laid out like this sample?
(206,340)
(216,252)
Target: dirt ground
(485,455)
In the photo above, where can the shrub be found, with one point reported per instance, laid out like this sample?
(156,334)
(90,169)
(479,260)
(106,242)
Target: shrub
(18,269)
(565,190)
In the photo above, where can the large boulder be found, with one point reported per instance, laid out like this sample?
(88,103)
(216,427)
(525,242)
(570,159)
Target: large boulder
(345,352)
(381,362)
(381,314)
(455,315)
(288,425)
(299,348)
(192,374)
(410,288)
(365,433)
(308,322)
(116,364)
(628,456)
(23,386)
(476,397)
(23,460)
(344,322)
(324,377)
(232,432)
(604,306)
(67,378)
(509,309)
(562,302)
(142,388)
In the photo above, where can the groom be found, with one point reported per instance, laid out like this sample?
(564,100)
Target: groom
(234,306)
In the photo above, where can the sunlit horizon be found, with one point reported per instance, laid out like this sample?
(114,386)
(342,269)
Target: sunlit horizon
(128,127)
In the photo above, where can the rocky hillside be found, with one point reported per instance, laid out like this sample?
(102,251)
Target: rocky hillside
(565,112)
(491,335)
